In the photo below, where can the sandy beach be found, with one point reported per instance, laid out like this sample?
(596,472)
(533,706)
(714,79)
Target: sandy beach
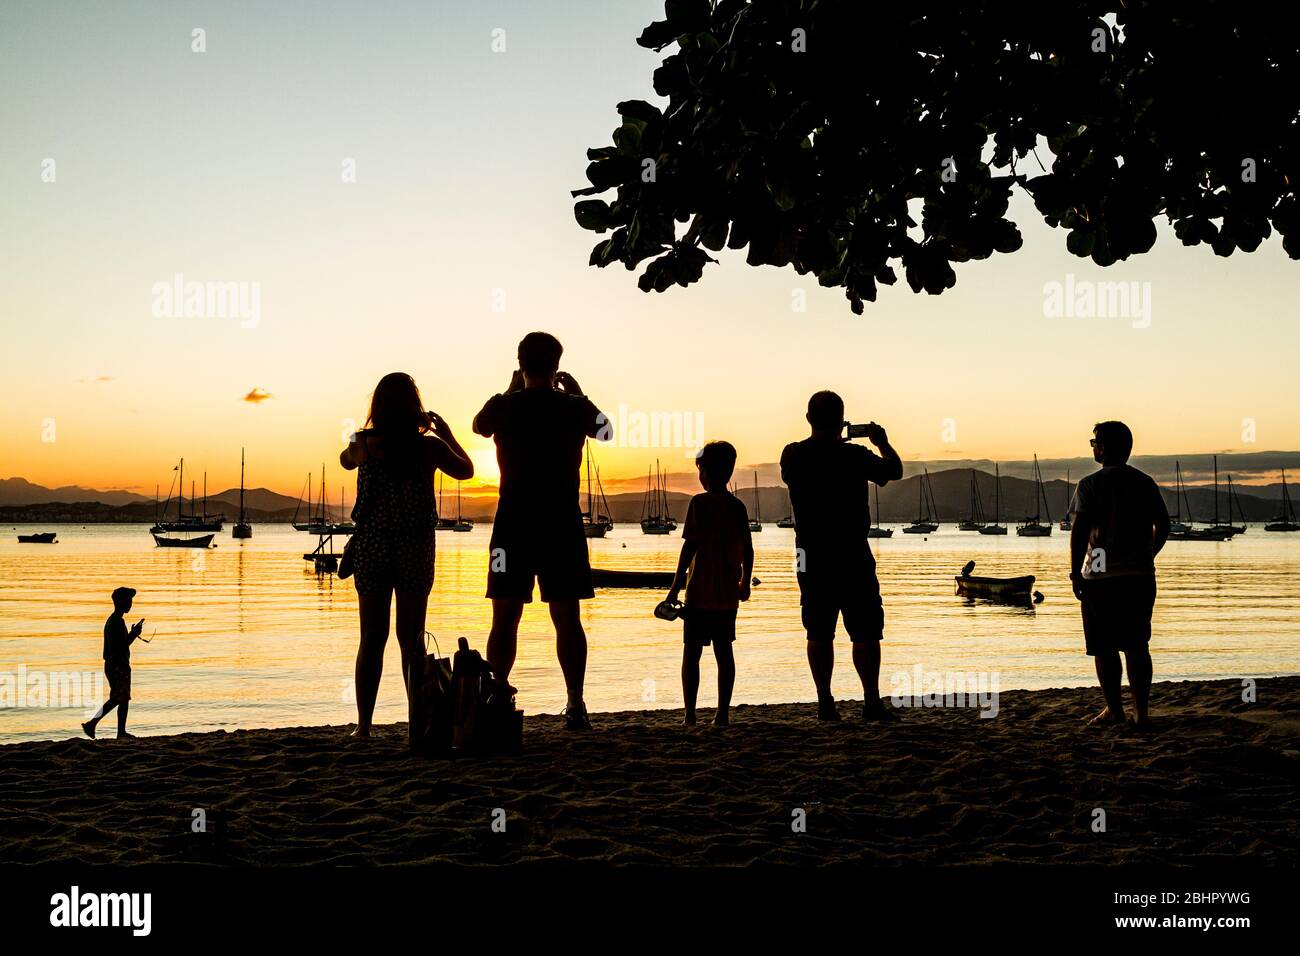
(1217,781)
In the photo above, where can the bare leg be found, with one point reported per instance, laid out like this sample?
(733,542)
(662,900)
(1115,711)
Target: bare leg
(570,646)
(503,639)
(821,661)
(722,653)
(690,679)
(90,725)
(866,659)
(370,655)
(1139,680)
(412,607)
(122,710)
(1109,674)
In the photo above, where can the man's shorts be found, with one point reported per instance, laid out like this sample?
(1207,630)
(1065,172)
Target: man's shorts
(832,587)
(1117,613)
(556,558)
(702,626)
(119,681)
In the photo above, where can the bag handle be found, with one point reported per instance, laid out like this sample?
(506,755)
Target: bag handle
(428,636)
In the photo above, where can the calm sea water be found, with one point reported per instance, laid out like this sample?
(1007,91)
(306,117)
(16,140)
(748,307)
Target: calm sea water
(247,635)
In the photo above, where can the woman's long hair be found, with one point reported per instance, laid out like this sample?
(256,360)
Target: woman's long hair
(396,407)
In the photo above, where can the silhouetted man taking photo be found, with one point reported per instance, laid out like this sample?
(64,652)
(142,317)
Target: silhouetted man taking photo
(827,477)
(540,424)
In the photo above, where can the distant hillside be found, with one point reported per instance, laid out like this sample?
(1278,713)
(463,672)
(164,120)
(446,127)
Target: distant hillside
(898,503)
(20,491)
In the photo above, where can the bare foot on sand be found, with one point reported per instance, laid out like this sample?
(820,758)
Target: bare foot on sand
(361,734)
(1106,717)
(826,710)
(688,720)
(721,720)
(123,735)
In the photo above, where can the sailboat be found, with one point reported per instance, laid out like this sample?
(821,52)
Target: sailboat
(975,520)
(443,523)
(1035,527)
(1180,530)
(462,524)
(319,523)
(242,528)
(756,522)
(874,530)
(193,521)
(997,527)
(655,518)
(1286,521)
(926,511)
(311,522)
(596,522)
(1225,526)
(1066,524)
(1234,503)
(786,522)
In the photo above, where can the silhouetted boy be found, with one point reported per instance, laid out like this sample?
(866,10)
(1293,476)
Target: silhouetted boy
(827,477)
(1120,525)
(117,663)
(718,553)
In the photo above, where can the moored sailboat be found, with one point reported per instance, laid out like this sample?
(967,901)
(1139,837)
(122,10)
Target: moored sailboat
(1034,526)
(927,513)
(1286,521)
(655,518)
(974,519)
(997,527)
(242,528)
(756,522)
(596,522)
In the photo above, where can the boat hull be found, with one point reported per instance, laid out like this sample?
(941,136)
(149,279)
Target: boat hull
(969,526)
(1035,531)
(994,529)
(45,537)
(241,531)
(1018,590)
(202,541)
(607,578)
(880,532)
(920,528)
(1282,526)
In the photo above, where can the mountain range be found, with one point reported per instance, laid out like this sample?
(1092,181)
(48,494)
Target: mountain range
(21,501)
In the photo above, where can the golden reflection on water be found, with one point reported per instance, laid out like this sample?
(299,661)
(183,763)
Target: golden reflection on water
(247,635)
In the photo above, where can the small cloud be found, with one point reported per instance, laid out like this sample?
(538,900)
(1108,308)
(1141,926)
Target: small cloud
(257,396)
(100,378)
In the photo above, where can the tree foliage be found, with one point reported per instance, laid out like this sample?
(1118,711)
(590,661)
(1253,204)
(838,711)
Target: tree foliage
(800,130)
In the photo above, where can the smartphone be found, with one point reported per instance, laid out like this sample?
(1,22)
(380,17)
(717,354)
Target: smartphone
(856,431)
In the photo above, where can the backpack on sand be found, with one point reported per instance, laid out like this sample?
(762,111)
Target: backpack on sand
(484,717)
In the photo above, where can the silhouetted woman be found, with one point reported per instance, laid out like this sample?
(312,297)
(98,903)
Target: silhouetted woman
(396,454)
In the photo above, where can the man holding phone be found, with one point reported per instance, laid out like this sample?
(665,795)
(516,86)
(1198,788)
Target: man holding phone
(540,424)
(828,480)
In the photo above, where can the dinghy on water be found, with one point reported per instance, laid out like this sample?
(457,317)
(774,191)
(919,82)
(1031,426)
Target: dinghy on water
(201,541)
(1017,590)
(44,537)
(608,578)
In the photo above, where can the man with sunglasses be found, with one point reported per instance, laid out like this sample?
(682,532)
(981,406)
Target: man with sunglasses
(1120,523)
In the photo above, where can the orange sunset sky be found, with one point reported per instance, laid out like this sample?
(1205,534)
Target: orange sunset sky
(457,237)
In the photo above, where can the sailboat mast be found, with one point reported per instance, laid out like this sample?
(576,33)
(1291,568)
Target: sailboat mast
(241,486)
(1216,489)
(180,493)
(997,495)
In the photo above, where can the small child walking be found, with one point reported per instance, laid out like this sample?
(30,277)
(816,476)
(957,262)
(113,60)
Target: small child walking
(117,663)
(718,556)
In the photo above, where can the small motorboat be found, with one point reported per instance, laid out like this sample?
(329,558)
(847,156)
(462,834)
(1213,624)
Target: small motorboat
(1017,590)
(202,541)
(44,537)
(608,578)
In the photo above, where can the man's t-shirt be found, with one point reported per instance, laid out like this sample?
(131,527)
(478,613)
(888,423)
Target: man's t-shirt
(719,524)
(828,479)
(539,435)
(1123,506)
(117,645)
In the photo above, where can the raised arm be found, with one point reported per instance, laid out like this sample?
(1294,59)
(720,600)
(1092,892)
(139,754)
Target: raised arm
(892,469)
(355,453)
(455,462)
